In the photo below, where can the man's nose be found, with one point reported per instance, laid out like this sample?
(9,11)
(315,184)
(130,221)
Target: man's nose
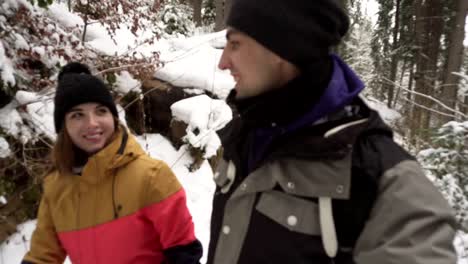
(224,63)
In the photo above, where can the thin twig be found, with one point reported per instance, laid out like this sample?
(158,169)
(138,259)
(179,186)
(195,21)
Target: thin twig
(138,97)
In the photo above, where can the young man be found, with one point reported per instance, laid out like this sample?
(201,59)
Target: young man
(310,174)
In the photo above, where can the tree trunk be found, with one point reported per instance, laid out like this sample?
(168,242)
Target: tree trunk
(455,57)
(86,22)
(222,7)
(411,81)
(400,83)
(408,110)
(465,107)
(428,29)
(197,12)
(394,63)
(434,29)
(227,8)
(219,20)
(420,68)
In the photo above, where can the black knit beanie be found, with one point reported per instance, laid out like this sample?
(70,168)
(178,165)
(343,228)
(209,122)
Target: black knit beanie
(76,86)
(299,31)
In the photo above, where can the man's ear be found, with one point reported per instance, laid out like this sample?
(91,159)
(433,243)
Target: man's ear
(278,60)
(289,70)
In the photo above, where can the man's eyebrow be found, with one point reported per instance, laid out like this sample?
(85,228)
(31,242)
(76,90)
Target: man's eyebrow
(230,32)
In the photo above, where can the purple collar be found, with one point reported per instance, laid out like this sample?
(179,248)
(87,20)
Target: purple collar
(343,87)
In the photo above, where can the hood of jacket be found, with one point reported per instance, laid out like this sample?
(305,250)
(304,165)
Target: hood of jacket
(341,90)
(121,151)
(334,138)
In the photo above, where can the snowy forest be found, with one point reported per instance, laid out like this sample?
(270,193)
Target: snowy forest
(160,59)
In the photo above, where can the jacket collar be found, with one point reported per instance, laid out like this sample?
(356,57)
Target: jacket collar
(122,150)
(332,139)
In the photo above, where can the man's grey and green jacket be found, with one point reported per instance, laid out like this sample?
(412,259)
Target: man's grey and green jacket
(336,188)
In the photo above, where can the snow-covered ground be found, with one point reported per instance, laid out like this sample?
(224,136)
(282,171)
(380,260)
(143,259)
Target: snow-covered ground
(187,62)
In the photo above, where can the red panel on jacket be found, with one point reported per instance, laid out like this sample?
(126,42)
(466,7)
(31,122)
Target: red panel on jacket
(133,238)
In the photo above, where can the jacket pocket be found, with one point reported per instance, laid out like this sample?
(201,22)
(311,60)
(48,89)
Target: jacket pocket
(293,213)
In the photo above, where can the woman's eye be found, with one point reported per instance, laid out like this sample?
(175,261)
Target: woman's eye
(76,115)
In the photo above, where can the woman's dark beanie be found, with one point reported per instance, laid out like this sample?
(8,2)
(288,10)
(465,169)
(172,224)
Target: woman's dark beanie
(299,31)
(76,86)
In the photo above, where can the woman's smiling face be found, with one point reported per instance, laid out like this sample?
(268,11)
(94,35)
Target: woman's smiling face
(90,126)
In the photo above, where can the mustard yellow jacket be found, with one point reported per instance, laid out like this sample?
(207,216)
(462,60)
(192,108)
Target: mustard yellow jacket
(125,207)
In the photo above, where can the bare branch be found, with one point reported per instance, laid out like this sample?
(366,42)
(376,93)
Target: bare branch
(124,67)
(428,109)
(430,98)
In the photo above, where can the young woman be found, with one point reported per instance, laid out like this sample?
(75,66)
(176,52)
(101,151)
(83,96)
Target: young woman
(106,201)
